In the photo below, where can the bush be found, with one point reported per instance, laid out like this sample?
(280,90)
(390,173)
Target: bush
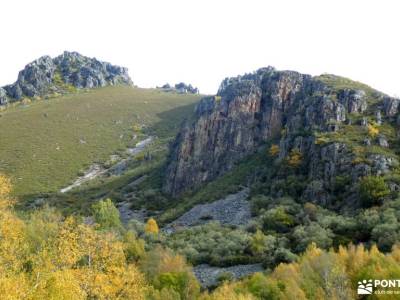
(106,214)
(211,243)
(224,276)
(373,190)
(259,286)
(134,247)
(182,283)
(259,202)
(386,235)
(313,233)
(277,219)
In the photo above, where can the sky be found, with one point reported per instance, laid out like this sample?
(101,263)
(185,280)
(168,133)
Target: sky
(202,42)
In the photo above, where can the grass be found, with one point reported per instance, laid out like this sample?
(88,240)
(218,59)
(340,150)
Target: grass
(338,83)
(47,143)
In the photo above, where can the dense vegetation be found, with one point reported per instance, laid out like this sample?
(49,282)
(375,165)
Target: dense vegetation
(47,256)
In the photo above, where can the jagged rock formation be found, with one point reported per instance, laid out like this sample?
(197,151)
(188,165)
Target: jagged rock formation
(46,76)
(181,88)
(290,108)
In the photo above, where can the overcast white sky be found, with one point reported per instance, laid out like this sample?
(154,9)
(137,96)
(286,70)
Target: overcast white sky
(202,42)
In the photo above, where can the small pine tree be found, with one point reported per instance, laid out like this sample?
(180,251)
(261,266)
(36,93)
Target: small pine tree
(151,226)
(257,244)
(106,214)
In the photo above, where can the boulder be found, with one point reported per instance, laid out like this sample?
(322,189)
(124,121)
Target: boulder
(391,106)
(378,117)
(382,141)
(354,100)
(3,97)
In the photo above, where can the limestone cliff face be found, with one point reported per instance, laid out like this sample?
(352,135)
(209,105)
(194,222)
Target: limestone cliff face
(46,76)
(268,104)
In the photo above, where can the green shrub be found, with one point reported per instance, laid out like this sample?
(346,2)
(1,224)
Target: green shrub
(313,233)
(373,190)
(106,214)
(277,219)
(180,282)
(224,276)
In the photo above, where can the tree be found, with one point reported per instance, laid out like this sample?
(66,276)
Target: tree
(274,150)
(151,226)
(313,233)
(373,190)
(372,130)
(106,214)
(168,271)
(257,244)
(277,219)
(134,247)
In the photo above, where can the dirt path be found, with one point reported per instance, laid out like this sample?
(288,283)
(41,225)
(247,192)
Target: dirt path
(97,170)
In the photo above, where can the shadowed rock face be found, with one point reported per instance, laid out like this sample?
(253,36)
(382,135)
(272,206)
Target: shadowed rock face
(251,109)
(45,75)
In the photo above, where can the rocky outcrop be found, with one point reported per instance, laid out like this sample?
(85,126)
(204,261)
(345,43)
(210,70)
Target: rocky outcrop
(252,109)
(85,72)
(46,76)
(180,88)
(355,101)
(391,106)
(3,97)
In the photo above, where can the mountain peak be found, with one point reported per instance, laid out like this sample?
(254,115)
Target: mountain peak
(47,76)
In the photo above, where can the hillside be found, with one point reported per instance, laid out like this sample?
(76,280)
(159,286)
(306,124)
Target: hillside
(278,174)
(46,144)
(319,155)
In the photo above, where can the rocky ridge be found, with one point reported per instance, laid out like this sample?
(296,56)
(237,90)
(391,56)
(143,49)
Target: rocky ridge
(48,76)
(299,113)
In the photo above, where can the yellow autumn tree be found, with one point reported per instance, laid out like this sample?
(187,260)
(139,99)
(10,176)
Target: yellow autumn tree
(46,256)
(274,150)
(151,226)
(372,130)
(295,158)
(228,292)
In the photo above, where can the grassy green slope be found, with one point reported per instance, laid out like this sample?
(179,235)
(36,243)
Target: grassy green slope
(43,146)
